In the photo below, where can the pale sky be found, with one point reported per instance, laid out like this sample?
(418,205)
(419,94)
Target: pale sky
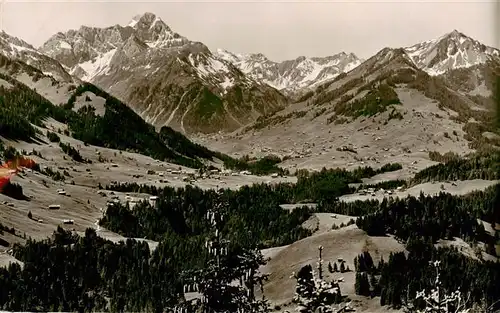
(279,29)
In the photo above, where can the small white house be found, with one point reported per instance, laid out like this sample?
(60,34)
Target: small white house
(153,200)
(54,207)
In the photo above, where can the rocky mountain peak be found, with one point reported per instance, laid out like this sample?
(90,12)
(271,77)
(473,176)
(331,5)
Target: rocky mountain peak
(17,49)
(450,51)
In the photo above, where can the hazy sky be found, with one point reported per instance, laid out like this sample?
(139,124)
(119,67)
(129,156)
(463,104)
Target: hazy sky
(279,29)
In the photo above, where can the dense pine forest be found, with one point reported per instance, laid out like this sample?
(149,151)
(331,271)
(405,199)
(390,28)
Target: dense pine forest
(94,274)
(69,273)
(479,165)
(397,280)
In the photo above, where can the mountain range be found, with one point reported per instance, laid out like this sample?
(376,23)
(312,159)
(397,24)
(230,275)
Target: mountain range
(170,80)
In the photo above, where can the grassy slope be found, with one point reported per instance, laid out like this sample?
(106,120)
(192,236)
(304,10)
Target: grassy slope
(119,128)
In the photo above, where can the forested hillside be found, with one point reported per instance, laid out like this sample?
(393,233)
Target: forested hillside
(99,275)
(398,279)
(118,128)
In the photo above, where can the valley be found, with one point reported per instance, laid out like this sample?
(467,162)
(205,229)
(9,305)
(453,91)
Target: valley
(149,148)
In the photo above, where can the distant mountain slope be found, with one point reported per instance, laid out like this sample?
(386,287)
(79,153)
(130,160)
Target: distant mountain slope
(470,72)
(17,49)
(167,79)
(90,114)
(451,51)
(387,108)
(360,93)
(292,75)
(116,126)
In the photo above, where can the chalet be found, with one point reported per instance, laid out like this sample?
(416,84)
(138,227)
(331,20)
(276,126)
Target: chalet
(68,222)
(54,207)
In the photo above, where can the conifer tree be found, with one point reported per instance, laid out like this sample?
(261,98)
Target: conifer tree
(215,282)
(438,301)
(314,294)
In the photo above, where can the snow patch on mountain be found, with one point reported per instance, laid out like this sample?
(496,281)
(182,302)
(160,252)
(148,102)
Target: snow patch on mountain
(208,67)
(65,45)
(17,49)
(97,66)
(291,75)
(450,51)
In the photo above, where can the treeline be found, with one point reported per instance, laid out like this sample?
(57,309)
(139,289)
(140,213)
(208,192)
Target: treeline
(386,184)
(481,165)
(119,128)
(255,208)
(398,279)
(324,186)
(441,216)
(262,166)
(254,216)
(20,107)
(72,152)
(14,191)
(377,100)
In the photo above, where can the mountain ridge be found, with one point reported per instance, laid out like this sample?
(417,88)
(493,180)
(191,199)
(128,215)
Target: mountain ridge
(194,90)
(172,81)
(291,75)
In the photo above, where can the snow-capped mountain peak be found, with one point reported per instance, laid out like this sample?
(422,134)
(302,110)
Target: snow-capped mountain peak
(12,46)
(148,20)
(154,32)
(17,49)
(450,51)
(292,75)
(90,51)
